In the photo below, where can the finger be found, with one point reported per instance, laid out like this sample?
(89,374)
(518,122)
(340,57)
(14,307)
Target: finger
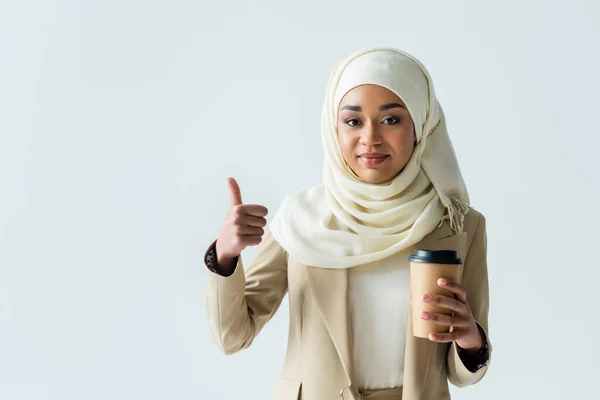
(454,287)
(447,302)
(251,240)
(447,337)
(255,210)
(234,192)
(253,221)
(446,320)
(250,230)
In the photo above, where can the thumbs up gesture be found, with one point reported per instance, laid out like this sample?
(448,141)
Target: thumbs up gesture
(243,227)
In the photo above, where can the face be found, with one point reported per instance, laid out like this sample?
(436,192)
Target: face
(376,133)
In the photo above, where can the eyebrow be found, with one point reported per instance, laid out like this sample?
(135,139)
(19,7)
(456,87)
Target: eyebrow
(382,108)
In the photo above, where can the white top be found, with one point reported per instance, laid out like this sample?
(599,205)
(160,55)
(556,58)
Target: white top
(378,299)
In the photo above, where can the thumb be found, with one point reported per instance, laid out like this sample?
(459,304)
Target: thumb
(234,190)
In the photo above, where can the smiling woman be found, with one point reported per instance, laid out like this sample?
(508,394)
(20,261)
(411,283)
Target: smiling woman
(340,249)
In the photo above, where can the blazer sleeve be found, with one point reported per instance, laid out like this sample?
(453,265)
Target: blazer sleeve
(239,305)
(475,280)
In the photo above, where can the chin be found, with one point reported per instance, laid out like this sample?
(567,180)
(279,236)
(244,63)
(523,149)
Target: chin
(376,178)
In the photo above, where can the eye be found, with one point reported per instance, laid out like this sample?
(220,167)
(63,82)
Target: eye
(394,120)
(351,121)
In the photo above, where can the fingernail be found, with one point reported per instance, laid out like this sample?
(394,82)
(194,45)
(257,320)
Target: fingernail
(425,315)
(443,282)
(426,297)
(432,337)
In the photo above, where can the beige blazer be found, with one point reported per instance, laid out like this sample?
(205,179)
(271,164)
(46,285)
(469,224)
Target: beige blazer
(318,361)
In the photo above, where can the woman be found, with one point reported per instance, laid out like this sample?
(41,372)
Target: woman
(391,184)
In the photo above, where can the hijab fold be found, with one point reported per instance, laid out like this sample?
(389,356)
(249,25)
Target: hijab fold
(345,221)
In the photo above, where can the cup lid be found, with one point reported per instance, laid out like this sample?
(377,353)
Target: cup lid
(436,257)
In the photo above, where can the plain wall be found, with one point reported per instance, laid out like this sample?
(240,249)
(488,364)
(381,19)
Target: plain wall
(120,121)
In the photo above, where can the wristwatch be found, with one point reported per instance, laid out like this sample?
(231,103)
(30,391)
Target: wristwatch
(482,357)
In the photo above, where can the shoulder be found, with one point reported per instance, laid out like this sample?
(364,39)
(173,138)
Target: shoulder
(473,219)
(475,227)
(472,224)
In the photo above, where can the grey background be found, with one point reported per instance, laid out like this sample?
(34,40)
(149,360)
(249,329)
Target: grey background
(120,121)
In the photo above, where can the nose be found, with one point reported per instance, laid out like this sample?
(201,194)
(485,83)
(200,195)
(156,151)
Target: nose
(370,135)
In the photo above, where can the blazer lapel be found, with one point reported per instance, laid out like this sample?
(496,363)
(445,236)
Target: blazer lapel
(330,289)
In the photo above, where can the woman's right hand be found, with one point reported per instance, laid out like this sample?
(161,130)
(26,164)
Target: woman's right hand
(243,227)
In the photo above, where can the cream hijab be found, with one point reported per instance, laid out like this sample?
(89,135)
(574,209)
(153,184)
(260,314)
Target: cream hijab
(345,221)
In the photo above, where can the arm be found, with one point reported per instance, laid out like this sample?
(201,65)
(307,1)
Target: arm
(475,280)
(240,304)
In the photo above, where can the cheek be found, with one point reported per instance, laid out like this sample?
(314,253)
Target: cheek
(403,144)
(346,143)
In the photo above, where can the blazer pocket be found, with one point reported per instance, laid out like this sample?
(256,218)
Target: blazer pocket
(286,389)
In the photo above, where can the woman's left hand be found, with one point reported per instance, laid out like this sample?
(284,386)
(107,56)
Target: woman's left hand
(463,327)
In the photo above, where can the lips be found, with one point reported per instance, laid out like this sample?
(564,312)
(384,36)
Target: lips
(372,155)
(372,160)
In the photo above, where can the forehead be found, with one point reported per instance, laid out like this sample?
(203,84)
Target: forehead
(369,93)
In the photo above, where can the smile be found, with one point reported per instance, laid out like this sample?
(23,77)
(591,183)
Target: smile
(370,161)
